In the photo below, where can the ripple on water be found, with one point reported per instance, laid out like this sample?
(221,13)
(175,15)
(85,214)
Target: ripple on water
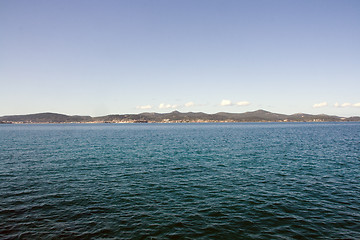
(184,181)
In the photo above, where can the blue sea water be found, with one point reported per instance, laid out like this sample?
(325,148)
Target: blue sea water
(180,181)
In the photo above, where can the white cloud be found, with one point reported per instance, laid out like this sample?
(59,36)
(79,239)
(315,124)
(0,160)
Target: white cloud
(319,105)
(189,104)
(243,103)
(144,107)
(346,104)
(225,103)
(166,106)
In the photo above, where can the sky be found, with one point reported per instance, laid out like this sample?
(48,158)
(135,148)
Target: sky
(99,57)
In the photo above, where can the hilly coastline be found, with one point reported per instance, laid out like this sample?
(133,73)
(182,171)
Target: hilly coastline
(175,117)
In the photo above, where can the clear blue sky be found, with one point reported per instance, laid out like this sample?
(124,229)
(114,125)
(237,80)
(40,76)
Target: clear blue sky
(93,57)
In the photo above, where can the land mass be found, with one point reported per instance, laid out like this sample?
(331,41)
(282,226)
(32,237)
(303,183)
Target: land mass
(175,117)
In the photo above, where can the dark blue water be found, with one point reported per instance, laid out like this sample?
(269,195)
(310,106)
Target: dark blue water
(180,181)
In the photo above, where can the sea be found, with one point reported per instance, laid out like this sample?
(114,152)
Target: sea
(180,181)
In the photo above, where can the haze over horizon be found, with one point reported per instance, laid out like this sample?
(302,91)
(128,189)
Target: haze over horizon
(115,57)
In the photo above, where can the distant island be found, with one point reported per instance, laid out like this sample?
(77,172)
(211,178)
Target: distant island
(175,117)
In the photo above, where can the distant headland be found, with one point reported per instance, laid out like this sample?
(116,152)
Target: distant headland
(175,117)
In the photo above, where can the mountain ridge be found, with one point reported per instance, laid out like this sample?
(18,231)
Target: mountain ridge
(176,116)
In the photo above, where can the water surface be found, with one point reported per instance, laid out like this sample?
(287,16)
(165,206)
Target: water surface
(180,181)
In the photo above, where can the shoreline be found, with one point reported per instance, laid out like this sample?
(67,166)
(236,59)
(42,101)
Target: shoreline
(176,117)
(175,121)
